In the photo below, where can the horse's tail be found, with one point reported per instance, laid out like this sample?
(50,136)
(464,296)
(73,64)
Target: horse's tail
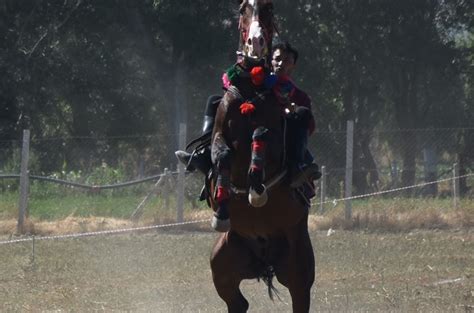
(267,275)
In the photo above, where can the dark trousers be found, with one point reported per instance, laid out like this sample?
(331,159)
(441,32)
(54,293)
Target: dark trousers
(210,110)
(297,137)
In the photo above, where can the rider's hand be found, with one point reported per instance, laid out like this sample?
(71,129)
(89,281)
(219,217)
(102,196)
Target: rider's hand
(290,109)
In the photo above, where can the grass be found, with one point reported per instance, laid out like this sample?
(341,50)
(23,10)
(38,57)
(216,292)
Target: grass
(398,214)
(419,271)
(394,255)
(399,272)
(108,204)
(64,210)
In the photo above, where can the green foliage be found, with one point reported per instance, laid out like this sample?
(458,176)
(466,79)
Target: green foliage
(88,72)
(10,165)
(105,175)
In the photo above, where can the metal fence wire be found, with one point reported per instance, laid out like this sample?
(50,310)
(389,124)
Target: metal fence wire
(383,160)
(389,159)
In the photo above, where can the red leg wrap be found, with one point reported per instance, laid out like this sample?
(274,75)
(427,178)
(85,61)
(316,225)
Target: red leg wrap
(222,194)
(258,146)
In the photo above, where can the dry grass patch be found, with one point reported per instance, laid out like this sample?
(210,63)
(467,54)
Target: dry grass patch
(394,221)
(68,225)
(372,221)
(74,225)
(419,271)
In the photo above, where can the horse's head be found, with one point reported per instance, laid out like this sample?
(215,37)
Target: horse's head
(256,29)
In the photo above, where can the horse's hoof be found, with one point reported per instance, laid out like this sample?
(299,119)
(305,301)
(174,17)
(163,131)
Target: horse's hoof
(220,225)
(258,200)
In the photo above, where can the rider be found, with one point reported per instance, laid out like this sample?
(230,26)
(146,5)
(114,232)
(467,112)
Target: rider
(300,121)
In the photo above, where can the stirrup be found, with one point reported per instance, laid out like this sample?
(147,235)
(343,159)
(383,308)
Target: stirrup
(185,158)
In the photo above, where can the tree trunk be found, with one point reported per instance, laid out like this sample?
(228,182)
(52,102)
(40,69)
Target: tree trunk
(405,87)
(366,177)
(430,171)
(409,163)
(466,159)
(80,152)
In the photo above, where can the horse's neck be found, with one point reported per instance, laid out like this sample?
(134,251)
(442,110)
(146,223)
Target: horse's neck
(267,114)
(245,88)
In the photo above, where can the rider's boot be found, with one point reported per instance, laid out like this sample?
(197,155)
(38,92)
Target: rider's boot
(304,170)
(201,160)
(302,173)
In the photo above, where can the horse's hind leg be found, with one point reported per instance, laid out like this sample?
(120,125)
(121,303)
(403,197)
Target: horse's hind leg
(231,263)
(301,268)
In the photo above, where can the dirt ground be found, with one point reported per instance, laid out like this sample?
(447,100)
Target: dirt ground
(168,271)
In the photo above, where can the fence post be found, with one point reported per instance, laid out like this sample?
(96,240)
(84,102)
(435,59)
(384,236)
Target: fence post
(322,189)
(394,173)
(181,170)
(167,188)
(455,185)
(24,182)
(349,168)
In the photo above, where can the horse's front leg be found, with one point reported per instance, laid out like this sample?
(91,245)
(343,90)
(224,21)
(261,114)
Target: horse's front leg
(220,153)
(257,194)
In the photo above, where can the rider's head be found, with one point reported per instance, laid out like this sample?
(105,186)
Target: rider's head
(284,59)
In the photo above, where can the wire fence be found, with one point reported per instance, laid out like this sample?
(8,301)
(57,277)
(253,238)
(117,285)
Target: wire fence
(394,158)
(382,158)
(334,202)
(120,177)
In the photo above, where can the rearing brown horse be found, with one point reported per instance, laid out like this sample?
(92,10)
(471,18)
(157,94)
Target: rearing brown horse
(269,238)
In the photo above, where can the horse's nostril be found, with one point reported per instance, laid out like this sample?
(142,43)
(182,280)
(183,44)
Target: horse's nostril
(249,41)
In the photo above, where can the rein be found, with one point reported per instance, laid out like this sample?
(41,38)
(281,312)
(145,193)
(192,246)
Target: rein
(259,96)
(269,184)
